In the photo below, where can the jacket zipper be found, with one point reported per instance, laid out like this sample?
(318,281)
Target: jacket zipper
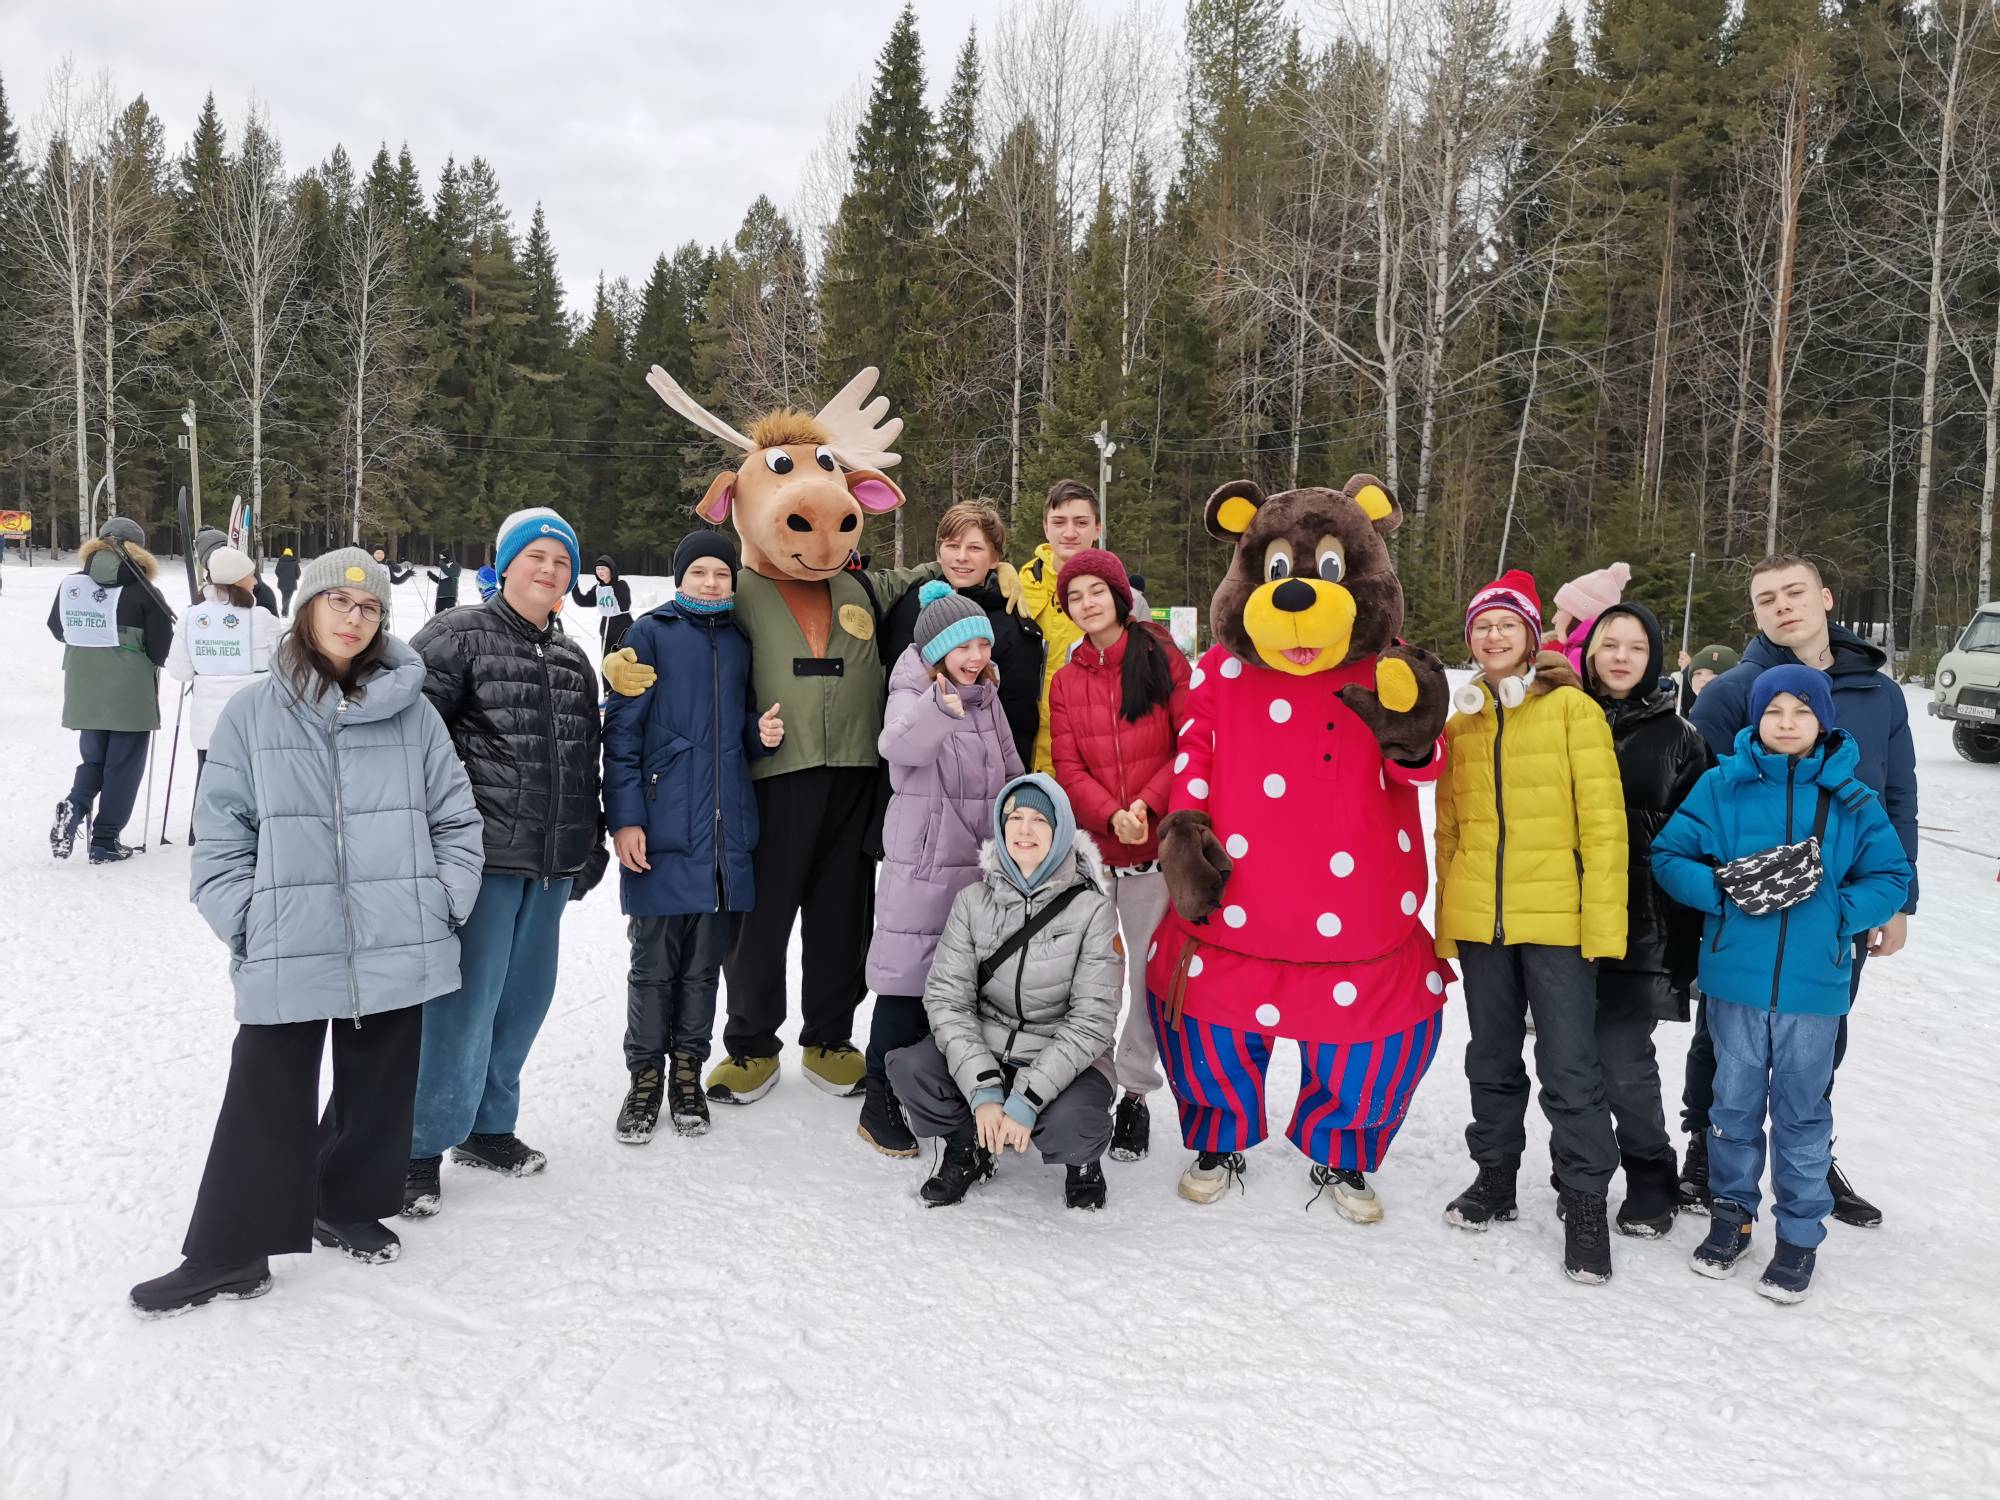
(555,769)
(1500,815)
(1020,969)
(1785,916)
(715,702)
(340,860)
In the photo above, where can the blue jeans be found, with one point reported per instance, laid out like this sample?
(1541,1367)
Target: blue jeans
(1770,1059)
(477,1038)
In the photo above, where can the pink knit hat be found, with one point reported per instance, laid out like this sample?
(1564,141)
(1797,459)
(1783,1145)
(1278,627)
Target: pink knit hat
(1591,595)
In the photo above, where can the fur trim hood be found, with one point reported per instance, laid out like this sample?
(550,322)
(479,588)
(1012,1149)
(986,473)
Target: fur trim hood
(138,556)
(1083,850)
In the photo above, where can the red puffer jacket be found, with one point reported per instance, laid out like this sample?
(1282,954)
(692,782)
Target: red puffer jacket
(1105,763)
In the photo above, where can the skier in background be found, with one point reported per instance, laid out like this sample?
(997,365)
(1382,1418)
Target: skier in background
(288,579)
(445,576)
(611,597)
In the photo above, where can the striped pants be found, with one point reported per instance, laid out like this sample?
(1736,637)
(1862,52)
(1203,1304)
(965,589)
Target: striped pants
(1352,1098)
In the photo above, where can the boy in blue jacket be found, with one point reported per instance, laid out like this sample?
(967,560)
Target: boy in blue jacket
(683,820)
(1791,855)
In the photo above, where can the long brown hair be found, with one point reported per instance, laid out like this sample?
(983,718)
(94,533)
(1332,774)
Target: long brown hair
(236,594)
(309,671)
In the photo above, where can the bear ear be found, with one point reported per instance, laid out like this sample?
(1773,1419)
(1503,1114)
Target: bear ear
(1376,503)
(1232,508)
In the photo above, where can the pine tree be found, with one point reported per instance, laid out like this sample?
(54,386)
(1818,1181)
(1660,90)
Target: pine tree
(958,140)
(655,481)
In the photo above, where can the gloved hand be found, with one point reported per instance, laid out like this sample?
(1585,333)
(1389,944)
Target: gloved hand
(628,676)
(594,866)
(1008,578)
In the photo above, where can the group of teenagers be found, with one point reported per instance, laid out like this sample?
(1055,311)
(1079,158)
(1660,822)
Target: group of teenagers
(387,835)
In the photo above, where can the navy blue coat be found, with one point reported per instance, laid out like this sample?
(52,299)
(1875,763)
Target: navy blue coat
(677,763)
(1867,703)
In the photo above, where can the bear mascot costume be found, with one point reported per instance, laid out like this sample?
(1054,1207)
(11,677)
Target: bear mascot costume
(1293,846)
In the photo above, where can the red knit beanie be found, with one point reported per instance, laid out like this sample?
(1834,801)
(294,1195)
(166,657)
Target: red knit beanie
(1095,562)
(1513,590)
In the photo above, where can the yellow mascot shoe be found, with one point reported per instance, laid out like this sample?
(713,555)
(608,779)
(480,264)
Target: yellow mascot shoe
(742,1080)
(838,1070)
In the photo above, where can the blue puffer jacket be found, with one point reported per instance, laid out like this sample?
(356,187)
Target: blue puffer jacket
(677,763)
(1867,703)
(1800,960)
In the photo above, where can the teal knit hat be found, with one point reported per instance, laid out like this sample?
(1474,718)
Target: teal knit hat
(947,620)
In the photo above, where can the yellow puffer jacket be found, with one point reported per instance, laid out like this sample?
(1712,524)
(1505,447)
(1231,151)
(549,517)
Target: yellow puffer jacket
(1059,634)
(1552,800)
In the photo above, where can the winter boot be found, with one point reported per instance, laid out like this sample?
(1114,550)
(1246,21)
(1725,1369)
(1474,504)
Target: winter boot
(1586,1238)
(111,854)
(1131,1129)
(639,1115)
(502,1151)
(422,1190)
(1728,1241)
(1694,1175)
(1652,1195)
(62,843)
(685,1102)
(1489,1200)
(367,1241)
(964,1162)
(742,1080)
(1788,1278)
(1085,1186)
(837,1070)
(195,1284)
(1208,1176)
(1849,1206)
(1353,1198)
(882,1124)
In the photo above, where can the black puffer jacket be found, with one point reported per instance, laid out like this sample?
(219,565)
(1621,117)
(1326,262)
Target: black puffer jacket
(1660,758)
(521,705)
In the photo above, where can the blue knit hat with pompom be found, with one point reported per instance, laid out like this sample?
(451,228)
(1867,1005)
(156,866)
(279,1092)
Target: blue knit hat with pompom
(947,620)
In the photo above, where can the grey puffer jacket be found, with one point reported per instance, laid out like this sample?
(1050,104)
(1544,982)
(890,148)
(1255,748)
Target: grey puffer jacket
(338,847)
(1053,1010)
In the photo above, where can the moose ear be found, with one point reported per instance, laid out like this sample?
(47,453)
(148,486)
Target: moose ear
(1232,508)
(714,506)
(1376,503)
(875,490)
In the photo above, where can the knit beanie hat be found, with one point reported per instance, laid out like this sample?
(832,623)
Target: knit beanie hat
(947,620)
(122,529)
(700,544)
(226,566)
(488,581)
(1095,562)
(349,568)
(1513,590)
(1042,794)
(1808,684)
(1716,659)
(533,525)
(1026,794)
(1591,595)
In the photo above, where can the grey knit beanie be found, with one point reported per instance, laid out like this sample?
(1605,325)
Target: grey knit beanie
(349,568)
(948,620)
(122,529)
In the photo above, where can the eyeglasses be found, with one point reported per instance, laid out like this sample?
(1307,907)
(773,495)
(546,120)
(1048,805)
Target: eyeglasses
(1497,627)
(342,603)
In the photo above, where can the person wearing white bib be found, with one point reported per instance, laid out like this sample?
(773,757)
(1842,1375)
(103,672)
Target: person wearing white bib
(223,644)
(611,598)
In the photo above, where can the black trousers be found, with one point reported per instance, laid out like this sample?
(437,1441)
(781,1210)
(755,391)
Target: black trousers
(900,1021)
(274,1167)
(810,869)
(1698,1083)
(286,595)
(670,989)
(1503,984)
(112,766)
(1631,1069)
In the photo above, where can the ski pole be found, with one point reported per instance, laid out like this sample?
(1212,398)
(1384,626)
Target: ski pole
(173,755)
(1687,615)
(145,823)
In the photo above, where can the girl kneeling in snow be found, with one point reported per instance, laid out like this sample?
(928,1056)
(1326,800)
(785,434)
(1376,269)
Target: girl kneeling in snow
(339,850)
(1023,1000)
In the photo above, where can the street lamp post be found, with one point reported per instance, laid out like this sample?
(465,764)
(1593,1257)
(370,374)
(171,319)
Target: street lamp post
(1105,448)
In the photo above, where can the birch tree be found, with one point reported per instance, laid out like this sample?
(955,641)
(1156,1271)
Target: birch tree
(377,337)
(131,229)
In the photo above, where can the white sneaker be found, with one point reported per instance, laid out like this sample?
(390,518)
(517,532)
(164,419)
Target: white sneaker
(1208,1176)
(1353,1198)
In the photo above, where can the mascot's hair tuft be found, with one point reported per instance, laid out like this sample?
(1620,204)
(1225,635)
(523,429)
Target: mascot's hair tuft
(785,426)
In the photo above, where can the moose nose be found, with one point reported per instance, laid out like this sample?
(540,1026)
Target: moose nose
(1293,596)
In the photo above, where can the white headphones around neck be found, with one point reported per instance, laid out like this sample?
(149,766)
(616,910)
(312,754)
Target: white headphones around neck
(1512,692)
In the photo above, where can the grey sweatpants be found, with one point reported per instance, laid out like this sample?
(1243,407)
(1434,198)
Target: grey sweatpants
(1142,902)
(1073,1130)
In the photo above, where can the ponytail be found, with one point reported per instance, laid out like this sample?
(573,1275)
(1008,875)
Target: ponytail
(1147,679)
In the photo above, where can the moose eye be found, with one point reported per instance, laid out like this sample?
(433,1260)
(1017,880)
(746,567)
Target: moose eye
(778,461)
(849,522)
(1278,561)
(1332,566)
(824,456)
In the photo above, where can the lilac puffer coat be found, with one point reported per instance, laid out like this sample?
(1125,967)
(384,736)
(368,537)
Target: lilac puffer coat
(946,772)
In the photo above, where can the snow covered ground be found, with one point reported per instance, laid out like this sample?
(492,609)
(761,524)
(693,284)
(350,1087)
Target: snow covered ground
(770,1311)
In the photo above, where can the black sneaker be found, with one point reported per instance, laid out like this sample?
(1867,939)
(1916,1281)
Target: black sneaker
(1489,1201)
(366,1240)
(1652,1196)
(1727,1243)
(1849,1206)
(882,1124)
(195,1284)
(687,1105)
(1788,1278)
(1586,1238)
(503,1152)
(639,1115)
(1693,1185)
(111,854)
(62,840)
(1131,1129)
(422,1190)
(963,1163)
(1084,1187)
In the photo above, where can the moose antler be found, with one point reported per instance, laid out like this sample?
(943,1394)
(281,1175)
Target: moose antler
(669,390)
(855,428)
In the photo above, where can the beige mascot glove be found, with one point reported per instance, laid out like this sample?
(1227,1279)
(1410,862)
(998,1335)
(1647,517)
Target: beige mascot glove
(1009,579)
(628,676)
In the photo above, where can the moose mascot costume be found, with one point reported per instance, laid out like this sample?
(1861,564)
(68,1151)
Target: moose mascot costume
(1293,847)
(806,483)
